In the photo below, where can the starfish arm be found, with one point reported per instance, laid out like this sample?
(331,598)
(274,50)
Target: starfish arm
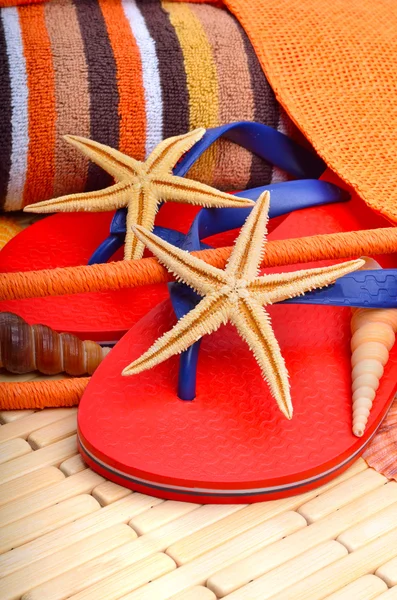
(269,289)
(191,270)
(205,318)
(249,247)
(254,325)
(142,211)
(188,191)
(117,164)
(165,156)
(111,198)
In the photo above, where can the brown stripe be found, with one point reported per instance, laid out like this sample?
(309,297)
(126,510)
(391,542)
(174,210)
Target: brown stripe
(104,97)
(5,118)
(71,95)
(236,100)
(41,105)
(266,111)
(171,68)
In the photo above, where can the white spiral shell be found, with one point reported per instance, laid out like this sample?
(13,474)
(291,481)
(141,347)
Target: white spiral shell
(373,336)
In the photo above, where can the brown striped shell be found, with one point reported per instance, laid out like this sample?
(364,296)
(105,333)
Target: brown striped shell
(25,348)
(373,336)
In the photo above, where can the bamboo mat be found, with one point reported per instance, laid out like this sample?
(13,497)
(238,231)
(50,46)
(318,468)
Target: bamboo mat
(65,532)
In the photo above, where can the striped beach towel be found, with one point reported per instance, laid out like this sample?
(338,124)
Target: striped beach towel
(126,73)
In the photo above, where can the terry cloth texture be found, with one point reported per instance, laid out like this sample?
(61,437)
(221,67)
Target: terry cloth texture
(332,66)
(127,74)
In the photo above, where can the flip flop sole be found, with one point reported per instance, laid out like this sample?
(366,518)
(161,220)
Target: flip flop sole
(232,444)
(69,239)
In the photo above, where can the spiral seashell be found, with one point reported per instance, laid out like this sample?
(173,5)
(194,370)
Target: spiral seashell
(25,348)
(373,336)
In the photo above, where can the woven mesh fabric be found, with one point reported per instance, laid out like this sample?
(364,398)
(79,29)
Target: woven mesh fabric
(332,65)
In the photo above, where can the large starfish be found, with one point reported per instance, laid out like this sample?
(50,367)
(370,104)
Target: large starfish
(236,294)
(139,186)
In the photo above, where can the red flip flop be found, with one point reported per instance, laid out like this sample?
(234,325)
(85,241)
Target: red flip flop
(232,444)
(70,239)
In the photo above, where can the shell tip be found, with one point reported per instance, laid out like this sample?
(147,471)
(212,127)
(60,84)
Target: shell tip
(358,431)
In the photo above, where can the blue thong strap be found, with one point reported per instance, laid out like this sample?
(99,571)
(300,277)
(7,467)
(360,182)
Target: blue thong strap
(285,197)
(271,145)
(368,289)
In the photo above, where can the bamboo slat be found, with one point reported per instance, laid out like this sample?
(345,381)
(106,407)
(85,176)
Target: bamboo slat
(9,377)
(160,515)
(337,497)
(23,486)
(370,529)
(69,559)
(81,483)
(22,428)
(24,530)
(54,432)
(128,579)
(124,556)
(108,492)
(83,528)
(210,537)
(364,588)
(76,536)
(391,594)
(388,572)
(8,416)
(73,465)
(198,571)
(290,572)
(361,562)
(45,457)
(195,593)
(13,449)
(227,580)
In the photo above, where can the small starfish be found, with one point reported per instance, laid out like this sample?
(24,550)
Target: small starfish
(140,186)
(238,295)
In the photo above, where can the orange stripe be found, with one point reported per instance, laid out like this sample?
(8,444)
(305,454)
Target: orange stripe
(129,79)
(41,105)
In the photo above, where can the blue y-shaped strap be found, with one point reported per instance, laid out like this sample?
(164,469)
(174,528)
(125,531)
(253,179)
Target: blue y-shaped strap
(368,289)
(284,198)
(271,145)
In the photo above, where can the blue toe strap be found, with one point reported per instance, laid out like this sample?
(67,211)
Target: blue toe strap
(284,198)
(268,143)
(366,289)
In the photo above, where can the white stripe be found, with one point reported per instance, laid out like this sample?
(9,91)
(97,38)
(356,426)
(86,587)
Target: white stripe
(150,75)
(19,102)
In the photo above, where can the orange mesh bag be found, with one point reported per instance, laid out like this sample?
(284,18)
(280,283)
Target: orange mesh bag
(332,66)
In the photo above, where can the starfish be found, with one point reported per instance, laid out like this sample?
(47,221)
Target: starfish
(139,186)
(236,294)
